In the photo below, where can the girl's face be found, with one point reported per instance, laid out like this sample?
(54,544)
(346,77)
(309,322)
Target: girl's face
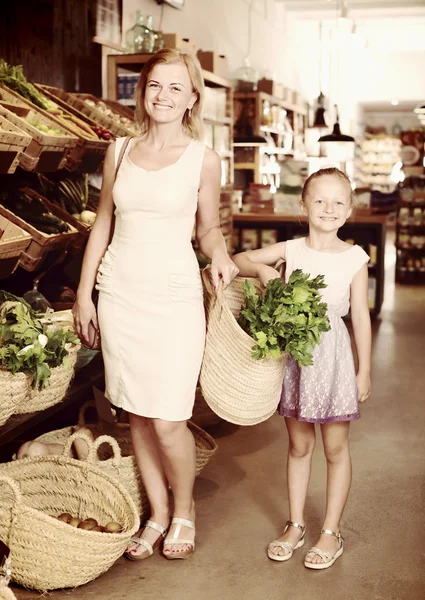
(328,203)
(168,93)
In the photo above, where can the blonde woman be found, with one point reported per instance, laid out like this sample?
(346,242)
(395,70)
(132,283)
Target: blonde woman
(150,311)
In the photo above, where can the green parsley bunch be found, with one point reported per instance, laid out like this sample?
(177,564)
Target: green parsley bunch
(27,344)
(287,318)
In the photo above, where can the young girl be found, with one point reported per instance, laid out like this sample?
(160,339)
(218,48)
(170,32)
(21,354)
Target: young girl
(329,391)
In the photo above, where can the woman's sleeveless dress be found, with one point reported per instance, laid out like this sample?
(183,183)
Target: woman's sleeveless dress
(327,390)
(150,310)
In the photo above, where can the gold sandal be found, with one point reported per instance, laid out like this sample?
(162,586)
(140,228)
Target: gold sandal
(147,546)
(286,545)
(327,557)
(174,539)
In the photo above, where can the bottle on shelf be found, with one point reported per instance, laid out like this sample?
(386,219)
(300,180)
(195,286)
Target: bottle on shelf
(159,41)
(134,36)
(148,36)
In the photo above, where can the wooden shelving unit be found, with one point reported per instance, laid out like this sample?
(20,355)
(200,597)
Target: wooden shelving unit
(367,231)
(280,122)
(410,231)
(214,123)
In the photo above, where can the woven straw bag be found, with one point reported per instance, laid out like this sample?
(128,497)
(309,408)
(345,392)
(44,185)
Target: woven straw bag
(55,391)
(14,390)
(121,463)
(48,554)
(202,414)
(237,387)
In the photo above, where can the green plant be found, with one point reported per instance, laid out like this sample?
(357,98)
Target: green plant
(27,345)
(286,318)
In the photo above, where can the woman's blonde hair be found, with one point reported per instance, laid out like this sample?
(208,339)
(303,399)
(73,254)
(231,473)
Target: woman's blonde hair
(192,120)
(333,171)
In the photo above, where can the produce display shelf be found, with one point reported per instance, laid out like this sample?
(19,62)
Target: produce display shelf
(41,243)
(45,152)
(13,141)
(85,379)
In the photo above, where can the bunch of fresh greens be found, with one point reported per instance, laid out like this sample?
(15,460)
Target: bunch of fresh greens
(27,344)
(286,318)
(15,79)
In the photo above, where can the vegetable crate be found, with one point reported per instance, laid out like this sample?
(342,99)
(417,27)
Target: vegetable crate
(79,101)
(41,243)
(47,151)
(89,151)
(13,241)
(13,141)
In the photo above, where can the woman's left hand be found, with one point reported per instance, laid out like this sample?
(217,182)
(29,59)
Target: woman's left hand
(363,387)
(223,267)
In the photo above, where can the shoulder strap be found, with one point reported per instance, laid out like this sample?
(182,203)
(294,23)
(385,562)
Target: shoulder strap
(121,154)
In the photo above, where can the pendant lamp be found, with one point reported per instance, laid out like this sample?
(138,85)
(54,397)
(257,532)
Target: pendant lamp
(319,116)
(336,135)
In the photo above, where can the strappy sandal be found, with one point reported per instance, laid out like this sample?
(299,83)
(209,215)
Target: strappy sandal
(327,557)
(286,545)
(147,546)
(174,539)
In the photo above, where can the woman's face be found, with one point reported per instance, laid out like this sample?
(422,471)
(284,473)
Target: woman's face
(168,93)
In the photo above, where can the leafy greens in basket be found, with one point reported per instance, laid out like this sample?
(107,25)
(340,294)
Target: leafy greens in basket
(27,343)
(286,317)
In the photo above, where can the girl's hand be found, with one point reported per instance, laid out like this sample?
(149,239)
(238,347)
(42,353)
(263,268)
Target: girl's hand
(363,387)
(266,273)
(222,266)
(84,313)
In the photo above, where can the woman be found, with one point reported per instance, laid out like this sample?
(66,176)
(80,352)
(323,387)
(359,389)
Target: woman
(151,314)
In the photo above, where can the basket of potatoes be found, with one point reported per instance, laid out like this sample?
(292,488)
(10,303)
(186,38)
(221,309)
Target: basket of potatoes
(97,518)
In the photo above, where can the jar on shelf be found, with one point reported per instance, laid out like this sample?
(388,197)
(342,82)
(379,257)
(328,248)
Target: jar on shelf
(246,77)
(134,36)
(148,36)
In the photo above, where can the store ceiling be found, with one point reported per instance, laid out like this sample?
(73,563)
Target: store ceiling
(361,8)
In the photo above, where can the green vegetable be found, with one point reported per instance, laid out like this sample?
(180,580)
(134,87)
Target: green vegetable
(14,78)
(286,318)
(27,343)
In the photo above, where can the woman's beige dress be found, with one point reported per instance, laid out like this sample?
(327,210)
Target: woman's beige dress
(150,309)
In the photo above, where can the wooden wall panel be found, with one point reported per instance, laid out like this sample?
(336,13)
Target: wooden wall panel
(52,40)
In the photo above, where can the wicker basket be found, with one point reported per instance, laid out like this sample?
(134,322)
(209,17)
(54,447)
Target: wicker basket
(59,381)
(14,391)
(49,554)
(121,463)
(202,414)
(237,387)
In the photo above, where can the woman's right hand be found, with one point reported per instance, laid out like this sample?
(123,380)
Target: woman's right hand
(84,313)
(266,274)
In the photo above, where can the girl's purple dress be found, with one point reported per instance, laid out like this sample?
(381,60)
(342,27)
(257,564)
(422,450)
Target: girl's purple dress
(327,390)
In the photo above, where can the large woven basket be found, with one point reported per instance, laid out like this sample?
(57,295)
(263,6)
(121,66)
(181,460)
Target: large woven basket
(13,391)
(48,554)
(202,414)
(121,463)
(237,387)
(59,381)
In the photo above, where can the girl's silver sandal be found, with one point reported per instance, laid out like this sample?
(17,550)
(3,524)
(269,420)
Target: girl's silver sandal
(289,548)
(327,557)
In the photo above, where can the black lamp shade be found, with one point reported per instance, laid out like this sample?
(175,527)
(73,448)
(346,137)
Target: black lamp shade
(336,136)
(319,118)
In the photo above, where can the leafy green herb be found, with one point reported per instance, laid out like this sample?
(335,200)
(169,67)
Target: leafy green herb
(27,343)
(15,79)
(286,318)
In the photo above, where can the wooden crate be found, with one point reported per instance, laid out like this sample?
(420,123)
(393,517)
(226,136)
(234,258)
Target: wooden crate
(89,152)
(13,239)
(45,152)
(41,243)
(214,63)
(13,141)
(78,101)
(57,144)
(126,129)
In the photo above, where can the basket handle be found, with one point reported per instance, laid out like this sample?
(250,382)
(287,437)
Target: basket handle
(104,439)
(219,293)
(13,486)
(75,436)
(206,280)
(83,410)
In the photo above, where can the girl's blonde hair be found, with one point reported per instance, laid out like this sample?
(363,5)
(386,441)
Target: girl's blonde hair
(327,171)
(192,120)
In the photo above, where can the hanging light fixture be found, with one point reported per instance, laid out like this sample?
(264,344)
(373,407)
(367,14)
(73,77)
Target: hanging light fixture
(336,135)
(319,115)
